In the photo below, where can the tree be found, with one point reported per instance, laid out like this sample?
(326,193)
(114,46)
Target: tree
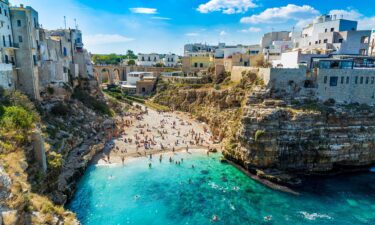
(131,62)
(130,55)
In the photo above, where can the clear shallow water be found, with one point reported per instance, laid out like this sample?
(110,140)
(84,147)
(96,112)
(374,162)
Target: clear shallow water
(135,194)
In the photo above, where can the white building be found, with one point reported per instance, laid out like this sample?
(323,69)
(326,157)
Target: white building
(133,77)
(148,59)
(170,60)
(328,34)
(7,58)
(372,43)
(296,59)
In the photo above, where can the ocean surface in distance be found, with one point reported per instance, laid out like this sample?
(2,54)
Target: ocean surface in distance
(170,194)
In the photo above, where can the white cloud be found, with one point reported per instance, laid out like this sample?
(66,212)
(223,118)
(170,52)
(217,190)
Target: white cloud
(282,14)
(160,18)
(101,39)
(223,33)
(251,30)
(192,34)
(144,10)
(227,6)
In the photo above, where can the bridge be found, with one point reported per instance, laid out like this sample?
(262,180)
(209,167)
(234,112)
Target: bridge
(109,73)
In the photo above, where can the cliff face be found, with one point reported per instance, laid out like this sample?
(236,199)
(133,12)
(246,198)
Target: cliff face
(220,109)
(72,130)
(306,136)
(275,134)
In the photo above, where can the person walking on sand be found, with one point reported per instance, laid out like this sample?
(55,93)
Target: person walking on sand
(123,160)
(160,158)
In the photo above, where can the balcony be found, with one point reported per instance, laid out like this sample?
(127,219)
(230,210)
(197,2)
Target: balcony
(10,45)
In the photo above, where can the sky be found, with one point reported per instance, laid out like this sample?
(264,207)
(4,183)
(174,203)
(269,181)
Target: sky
(164,26)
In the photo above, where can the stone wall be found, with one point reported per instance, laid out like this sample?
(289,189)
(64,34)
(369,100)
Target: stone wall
(237,72)
(282,79)
(347,85)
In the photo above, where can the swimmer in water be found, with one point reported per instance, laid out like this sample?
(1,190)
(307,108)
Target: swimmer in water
(192,166)
(214,218)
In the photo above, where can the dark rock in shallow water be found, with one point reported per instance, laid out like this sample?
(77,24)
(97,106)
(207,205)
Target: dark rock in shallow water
(204,172)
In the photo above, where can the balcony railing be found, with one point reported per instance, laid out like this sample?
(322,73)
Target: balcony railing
(8,44)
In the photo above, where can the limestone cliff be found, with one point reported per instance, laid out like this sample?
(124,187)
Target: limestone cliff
(306,137)
(72,131)
(273,134)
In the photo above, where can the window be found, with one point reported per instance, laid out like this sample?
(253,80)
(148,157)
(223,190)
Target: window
(333,81)
(372,80)
(364,40)
(6,59)
(326,30)
(332,29)
(361,80)
(356,80)
(34,58)
(18,23)
(20,39)
(341,40)
(1,11)
(362,51)
(320,41)
(201,65)
(4,42)
(347,80)
(316,42)
(342,80)
(5,13)
(143,58)
(367,80)
(195,65)
(325,41)
(309,43)
(325,79)
(65,52)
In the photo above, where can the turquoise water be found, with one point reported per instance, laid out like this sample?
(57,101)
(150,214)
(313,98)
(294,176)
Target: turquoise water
(162,195)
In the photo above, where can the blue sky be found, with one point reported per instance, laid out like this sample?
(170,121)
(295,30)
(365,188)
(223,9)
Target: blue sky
(163,26)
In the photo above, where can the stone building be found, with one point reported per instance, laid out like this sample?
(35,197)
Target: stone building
(7,57)
(170,60)
(237,60)
(25,28)
(197,62)
(148,59)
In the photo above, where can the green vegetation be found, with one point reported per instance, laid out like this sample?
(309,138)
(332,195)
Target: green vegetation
(92,103)
(60,109)
(113,59)
(258,134)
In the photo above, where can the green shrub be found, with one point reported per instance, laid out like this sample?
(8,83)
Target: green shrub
(50,90)
(258,134)
(60,109)
(217,87)
(54,160)
(92,102)
(16,117)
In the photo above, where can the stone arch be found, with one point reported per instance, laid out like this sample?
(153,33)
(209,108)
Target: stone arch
(105,75)
(116,75)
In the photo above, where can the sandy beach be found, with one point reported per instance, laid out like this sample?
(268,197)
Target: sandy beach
(149,132)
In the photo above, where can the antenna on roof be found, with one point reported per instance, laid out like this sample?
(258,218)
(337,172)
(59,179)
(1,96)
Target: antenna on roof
(65,21)
(75,23)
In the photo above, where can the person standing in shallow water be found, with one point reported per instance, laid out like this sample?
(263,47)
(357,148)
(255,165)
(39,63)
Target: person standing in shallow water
(149,165)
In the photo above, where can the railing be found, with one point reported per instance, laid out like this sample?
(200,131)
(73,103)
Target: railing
(8,44)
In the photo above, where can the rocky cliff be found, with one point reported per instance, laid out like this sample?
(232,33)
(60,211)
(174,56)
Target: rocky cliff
(275,135)
(71,131)
(306,136)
